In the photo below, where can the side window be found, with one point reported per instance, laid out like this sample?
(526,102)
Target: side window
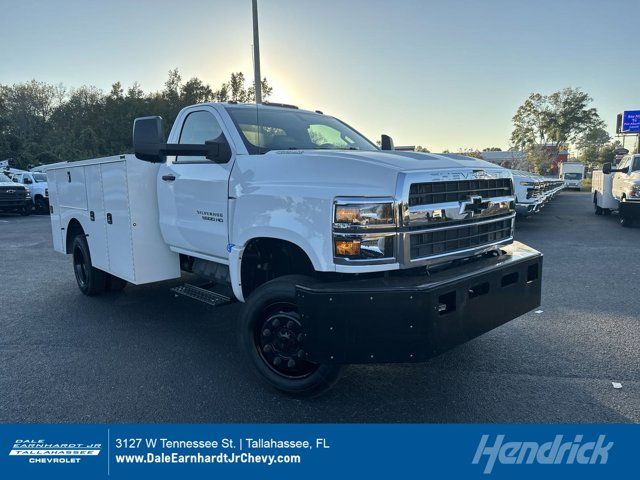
(197,128)
(636,164)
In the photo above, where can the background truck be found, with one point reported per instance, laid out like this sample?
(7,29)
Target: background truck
(341,252)
(618,189)
(13,198)
(36,183)
(572,173)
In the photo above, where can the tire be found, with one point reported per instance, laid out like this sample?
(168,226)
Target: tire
(26,211)
(598,210)
(625,222)
(91,281)
(41,205)
(269,337)
(114,284)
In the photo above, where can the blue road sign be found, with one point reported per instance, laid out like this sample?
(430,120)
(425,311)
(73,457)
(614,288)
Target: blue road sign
(631,121)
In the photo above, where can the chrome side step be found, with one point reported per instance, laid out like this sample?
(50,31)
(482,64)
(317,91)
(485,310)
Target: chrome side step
(202,295)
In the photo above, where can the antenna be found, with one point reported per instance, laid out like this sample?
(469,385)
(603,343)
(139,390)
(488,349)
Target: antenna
(256,54)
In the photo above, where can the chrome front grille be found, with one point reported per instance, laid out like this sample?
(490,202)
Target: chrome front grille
(457,191)
(454,215)
(457,238)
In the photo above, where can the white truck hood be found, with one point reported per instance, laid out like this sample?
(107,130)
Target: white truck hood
(343,172)
(396,160)
(11,184)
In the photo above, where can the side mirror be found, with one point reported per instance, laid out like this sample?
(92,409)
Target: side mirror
(219,150)
(606,168)
(27,181)
(148,139)
(386,143)
(149,144)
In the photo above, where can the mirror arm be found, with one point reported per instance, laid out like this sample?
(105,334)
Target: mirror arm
(184,149)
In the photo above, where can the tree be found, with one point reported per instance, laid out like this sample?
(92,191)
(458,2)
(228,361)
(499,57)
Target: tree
(492,149)
(422,149)
(543,123)
(43,123)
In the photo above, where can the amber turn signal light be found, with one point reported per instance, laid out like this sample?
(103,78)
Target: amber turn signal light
(347,248)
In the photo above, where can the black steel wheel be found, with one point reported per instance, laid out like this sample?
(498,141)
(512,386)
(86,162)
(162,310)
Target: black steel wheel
(41,205)
(279,340)
(271,337)
(91,281)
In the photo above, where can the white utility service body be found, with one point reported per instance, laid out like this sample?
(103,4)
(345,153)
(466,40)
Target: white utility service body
(342,252)
(115,201)
(601,187)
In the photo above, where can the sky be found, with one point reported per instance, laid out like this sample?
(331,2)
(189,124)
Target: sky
(441,74)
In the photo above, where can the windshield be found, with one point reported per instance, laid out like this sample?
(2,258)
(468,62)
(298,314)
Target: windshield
(39,177)
(266,129)
(573,176)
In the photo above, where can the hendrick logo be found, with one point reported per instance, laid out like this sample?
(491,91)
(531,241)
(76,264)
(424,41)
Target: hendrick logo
(554,452)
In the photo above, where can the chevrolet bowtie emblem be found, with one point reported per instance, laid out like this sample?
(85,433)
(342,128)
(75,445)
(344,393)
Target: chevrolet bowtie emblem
(11,191)
(475,205)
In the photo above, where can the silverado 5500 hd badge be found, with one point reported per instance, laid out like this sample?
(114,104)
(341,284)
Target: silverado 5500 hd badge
(211,216)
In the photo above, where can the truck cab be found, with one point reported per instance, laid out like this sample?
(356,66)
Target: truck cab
(341,252)
(626,179)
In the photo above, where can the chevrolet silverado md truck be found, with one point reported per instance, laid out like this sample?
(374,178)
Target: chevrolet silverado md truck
(618,189)
(341,252)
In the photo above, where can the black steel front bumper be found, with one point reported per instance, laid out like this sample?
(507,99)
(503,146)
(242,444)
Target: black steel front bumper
(630,210)
(14,204)
(414,318)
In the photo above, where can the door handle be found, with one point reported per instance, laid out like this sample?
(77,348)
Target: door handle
(168,178)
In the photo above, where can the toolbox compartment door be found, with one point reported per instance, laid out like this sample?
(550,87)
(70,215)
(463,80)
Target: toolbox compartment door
(118,220)
(96,227)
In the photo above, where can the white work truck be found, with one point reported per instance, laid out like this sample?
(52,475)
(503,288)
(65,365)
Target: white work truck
(341,252)
(36,183)
(618,189)
(572,173)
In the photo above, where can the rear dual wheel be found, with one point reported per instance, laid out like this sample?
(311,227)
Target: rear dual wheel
(271,337)
(91,281)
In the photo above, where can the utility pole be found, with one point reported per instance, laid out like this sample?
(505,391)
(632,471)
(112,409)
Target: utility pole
(256,54)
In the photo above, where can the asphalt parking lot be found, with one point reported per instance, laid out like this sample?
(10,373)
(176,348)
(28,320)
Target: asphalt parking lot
(143,356)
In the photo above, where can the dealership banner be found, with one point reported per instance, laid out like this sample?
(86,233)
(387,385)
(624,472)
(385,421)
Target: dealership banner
(318,451)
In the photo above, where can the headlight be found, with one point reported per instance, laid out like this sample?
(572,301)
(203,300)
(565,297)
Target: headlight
(364,215)
(528,184)
(364,230)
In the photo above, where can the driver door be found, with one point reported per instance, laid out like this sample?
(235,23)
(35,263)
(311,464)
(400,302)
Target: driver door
(193,192)
(619,178)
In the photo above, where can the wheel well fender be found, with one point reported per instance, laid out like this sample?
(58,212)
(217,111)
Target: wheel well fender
(265,258)
(73,229)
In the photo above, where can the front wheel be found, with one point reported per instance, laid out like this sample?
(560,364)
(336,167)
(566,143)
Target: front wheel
(624,221)
(598,209)
(26,210)
(41,205)
(270,335)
